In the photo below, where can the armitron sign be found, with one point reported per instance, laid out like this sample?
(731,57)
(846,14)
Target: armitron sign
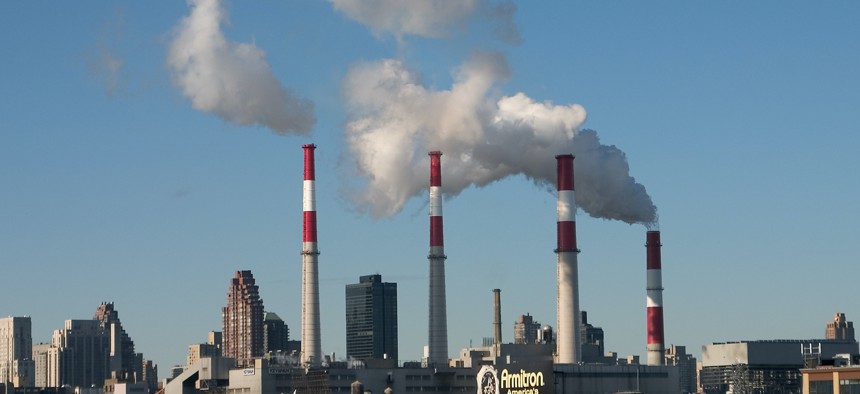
(515,380)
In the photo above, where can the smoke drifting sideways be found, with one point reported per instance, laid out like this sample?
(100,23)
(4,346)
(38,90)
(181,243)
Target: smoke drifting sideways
(430,18)
(395,121)
(231,79)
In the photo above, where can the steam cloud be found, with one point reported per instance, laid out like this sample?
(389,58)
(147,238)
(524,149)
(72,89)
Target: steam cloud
(395,121)
(231,79)
(429,18)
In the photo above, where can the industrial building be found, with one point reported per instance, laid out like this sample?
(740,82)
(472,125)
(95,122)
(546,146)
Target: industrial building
(547,364)
(765,366)
(371,319)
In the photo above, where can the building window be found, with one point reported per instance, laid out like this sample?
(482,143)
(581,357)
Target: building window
(849,386)
(821,387)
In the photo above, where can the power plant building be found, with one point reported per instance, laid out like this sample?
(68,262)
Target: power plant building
(764,366)
(371,319)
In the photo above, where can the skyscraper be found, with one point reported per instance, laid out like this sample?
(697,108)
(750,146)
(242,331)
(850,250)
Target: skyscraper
(242,320)
(123,362)
(16,351)
(840,328)
(276,333)
(371,319)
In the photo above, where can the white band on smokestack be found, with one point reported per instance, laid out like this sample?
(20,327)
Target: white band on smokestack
(568,346)
(437,345)
(311,344)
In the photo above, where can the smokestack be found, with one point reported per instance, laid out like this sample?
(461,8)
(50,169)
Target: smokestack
(311,346)
(497,317)
(568,350)
(656,342)
(438,341)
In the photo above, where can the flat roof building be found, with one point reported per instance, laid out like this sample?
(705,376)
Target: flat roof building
(764,366)
(371,319)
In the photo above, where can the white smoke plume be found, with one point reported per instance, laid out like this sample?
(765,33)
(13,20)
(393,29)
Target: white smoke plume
(429,18)
(231,79)
(395,121)
(105,62)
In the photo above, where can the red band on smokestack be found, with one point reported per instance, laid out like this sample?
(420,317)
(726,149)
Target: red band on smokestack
(309,233)
(436,231)
(565,172)
(566,236)
(566,231)
(435,168)
(655,326)
(436,238)
(309,161)
(652,245)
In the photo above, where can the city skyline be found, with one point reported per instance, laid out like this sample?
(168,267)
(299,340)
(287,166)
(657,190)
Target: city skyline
(736,118)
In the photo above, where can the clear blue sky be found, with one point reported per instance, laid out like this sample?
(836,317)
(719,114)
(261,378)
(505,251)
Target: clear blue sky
(739,118)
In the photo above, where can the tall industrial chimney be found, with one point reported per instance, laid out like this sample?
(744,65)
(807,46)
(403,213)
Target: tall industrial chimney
(438,341)
(311,346)
(568,350)
(497,317)
(654,288)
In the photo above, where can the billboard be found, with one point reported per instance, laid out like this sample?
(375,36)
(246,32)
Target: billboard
(516,379)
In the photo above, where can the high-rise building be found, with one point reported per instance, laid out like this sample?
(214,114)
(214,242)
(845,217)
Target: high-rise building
(276,333)
(840,328)
(86,352)
(124,363)
(150,375)
(371,319)
(40,360)
(242,320)
(591,335)
(16,351)
(677,355)
(526,330)
(79,355)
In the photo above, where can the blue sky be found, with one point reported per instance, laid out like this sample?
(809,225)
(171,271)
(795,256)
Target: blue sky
(738,118)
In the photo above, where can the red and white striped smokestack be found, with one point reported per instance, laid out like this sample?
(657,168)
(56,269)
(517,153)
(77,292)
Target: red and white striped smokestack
(438,323)
(311,346)
(656,342)
(568,350)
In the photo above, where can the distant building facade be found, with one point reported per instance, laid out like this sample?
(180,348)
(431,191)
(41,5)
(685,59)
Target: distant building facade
(371,319)
(840,328)
(677,355)
(276,333)
(40,361)
(526,330)
(85,353)
(16,351)
(123,363)
(242,320)
(79,355)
